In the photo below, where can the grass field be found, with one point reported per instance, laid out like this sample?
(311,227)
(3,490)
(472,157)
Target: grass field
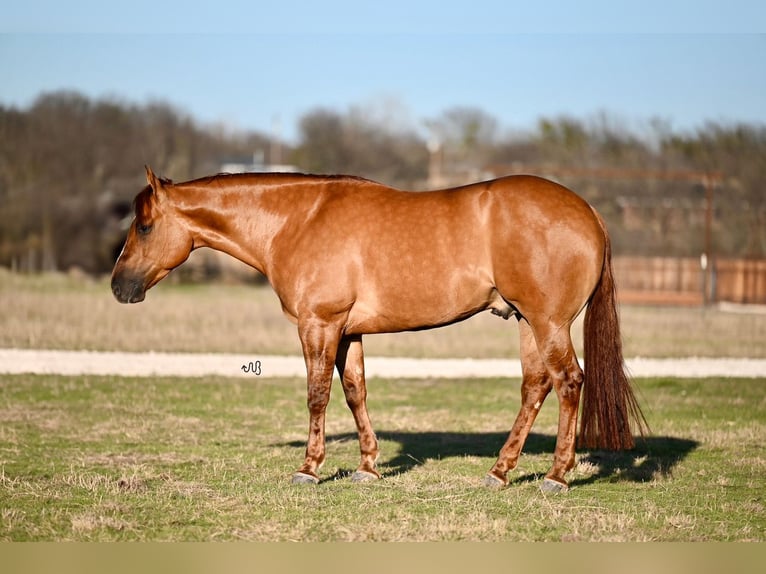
(116,458)
(110,458)
(62,312)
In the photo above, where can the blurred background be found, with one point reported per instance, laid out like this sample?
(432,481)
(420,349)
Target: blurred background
(664,133)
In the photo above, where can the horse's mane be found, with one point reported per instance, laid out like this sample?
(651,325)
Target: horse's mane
(142,200)
(276,177)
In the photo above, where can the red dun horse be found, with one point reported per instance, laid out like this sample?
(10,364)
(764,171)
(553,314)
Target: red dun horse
(348,257)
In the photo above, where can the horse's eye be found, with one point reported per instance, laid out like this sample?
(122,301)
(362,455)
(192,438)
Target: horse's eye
(143,228)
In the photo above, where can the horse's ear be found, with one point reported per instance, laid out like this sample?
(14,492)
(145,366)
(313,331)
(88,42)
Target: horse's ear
(157,183)
(150,177)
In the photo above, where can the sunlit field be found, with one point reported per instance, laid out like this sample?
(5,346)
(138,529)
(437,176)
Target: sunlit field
(93,458)
(111,459)
(63,312)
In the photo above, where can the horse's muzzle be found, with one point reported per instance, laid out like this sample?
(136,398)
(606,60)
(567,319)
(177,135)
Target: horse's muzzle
(128,290)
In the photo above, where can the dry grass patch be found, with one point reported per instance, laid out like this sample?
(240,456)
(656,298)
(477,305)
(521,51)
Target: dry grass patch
(61,312)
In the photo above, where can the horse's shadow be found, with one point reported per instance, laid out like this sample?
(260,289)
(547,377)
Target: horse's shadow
(652,457)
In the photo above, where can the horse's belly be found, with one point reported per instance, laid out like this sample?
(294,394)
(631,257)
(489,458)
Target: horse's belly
(407,307)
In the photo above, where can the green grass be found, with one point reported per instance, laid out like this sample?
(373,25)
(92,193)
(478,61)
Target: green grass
(110,458)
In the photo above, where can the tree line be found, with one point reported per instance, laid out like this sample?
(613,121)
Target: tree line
(70,165)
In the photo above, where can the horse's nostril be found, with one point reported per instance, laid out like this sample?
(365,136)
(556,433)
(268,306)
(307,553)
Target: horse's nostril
(128,289)
(116,289)
(121,291)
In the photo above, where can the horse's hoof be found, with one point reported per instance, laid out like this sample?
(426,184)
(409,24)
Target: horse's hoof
(491,481)
(303,478)
(364,476)
(550,486)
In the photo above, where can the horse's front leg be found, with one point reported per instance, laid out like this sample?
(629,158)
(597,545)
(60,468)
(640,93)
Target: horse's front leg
(350,363)
(320,345)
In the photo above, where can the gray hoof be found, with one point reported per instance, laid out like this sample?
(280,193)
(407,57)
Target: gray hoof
(491,481)
(302,478)
(550,486)
(364,476)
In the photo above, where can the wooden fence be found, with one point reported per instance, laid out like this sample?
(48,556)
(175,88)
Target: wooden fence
(682,281)
(740,281)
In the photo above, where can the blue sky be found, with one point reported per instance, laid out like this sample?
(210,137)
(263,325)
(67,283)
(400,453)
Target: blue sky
(253,66)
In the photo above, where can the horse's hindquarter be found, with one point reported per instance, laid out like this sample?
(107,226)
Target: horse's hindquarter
(547,247)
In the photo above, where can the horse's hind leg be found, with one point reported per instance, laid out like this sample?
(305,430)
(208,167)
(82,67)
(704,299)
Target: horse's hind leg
(557,352)
(535,386)
(350,364)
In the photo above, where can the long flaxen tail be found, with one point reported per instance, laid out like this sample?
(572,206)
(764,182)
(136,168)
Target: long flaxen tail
(610,410)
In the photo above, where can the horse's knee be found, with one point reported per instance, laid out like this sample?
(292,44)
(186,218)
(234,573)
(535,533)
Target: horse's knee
(355,391)
(354,400)
(354,388)
(318,398)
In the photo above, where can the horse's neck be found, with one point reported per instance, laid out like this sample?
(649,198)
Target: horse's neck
(228,220)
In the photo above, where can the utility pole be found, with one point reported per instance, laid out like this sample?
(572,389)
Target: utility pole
(707,260)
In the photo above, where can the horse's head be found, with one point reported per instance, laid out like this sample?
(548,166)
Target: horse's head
(157,243)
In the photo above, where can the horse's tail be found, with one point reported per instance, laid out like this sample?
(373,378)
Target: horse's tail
(609,405)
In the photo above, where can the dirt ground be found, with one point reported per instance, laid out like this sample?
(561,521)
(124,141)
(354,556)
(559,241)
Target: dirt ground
(17,361)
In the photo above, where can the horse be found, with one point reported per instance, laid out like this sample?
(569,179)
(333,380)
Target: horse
(348,257)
